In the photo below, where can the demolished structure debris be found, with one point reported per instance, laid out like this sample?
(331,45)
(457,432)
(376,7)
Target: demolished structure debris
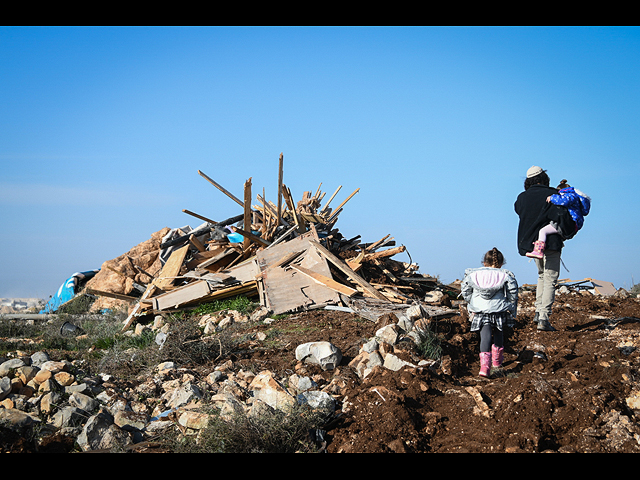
(288,254)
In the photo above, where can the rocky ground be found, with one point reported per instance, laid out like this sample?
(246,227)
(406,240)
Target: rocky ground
(573,390)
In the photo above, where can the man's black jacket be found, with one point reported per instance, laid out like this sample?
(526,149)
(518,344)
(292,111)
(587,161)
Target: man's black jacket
(534,212)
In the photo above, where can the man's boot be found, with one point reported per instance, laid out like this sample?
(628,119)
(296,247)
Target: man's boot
(545,326)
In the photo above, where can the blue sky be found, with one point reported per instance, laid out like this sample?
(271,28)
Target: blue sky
(104,130)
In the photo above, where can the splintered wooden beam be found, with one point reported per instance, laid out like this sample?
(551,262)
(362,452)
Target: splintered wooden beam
(250,236)
(347,271)
(385,253)
(342,205)
(197,243)
(223,190)
(151,289)
(292,206)
(279,212)
(118,296)
(247,213)
(189,212)
(329,201)
(171,268)
(375,245)
(326,281)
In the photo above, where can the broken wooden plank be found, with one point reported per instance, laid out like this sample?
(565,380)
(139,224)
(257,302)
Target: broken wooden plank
(197,243)
(208,220)
(289,257)
(384,253)
(326,281)
(348,271)
(223,190)
(326,206)
(118,296)
(248,289)
(375,245)
(181,295)
(250,236)
(228,253)
(171,268)
(286,290)
(151,289)
(339,207)
(279,211)
(292,207)
(245,272)
(247,213)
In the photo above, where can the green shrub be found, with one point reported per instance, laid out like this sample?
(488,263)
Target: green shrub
(429,345)
(273,431)
(240,303)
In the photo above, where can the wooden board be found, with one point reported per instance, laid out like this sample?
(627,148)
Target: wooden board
(326,281)
(171,268)
(181,295)
(369,290)
(244,272)
(286,289)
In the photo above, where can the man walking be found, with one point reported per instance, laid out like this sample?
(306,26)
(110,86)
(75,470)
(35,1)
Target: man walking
(532,208)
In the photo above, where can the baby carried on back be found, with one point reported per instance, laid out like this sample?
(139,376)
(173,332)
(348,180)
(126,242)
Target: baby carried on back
(577,204)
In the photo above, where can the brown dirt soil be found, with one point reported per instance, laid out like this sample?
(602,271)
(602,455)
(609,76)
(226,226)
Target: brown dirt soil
(562,391)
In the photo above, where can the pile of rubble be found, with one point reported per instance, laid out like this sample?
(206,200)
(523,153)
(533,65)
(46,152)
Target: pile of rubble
(98,412)
(94,413)
(288,254)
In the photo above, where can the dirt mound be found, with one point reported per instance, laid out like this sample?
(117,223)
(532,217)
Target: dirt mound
(572,390)
(564,391)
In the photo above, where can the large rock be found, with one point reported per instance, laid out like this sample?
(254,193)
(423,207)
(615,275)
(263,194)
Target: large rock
(268,390)
(17,420)
(388,334)
(395,363)
(84,402)
(101,433)
(194,420)
(38,358)
(5,387)
(131,421)
(325,354)
(227,405)
(68,417)
(365,362)
(183,395)
(318,401)
(10,366)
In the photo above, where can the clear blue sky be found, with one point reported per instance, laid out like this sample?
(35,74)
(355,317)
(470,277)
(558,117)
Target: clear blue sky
(104,129)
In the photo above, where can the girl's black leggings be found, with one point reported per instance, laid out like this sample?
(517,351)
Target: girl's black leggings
(489,335)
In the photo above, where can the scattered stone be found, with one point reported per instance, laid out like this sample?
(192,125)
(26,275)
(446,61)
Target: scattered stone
(268,390)
(325,354)
(317,401)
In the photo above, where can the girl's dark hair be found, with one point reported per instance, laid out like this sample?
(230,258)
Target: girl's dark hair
(494,258)
(540,179)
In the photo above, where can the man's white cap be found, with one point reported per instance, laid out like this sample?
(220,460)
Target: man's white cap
(533,171)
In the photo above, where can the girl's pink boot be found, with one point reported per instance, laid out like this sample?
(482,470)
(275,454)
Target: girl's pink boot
(497,356)
(538,250)
(485,364)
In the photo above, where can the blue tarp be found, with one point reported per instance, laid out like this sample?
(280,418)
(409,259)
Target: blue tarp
(67,290)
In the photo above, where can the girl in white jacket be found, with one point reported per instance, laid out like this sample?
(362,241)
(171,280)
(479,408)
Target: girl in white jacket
(491,293)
